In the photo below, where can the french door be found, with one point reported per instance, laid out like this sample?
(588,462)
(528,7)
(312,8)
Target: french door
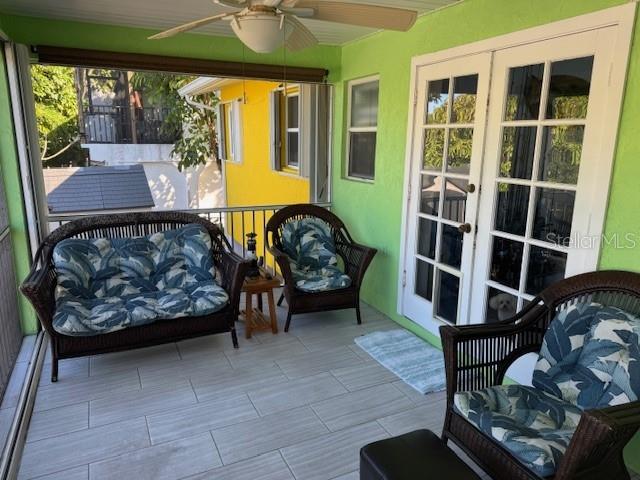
(443,200)
(543,183)
(507,192)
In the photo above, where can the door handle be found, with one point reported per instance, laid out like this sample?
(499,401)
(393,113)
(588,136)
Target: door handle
(465,228)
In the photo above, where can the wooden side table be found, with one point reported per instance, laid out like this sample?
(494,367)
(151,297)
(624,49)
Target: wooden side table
(254,318)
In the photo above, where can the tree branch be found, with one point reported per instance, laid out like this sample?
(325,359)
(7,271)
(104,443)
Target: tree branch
(61,151)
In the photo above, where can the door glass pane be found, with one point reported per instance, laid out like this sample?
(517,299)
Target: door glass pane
(427,230)
(364,105)
(554,213)
(518,147)
(545,268)
(561,153)
(525,87)
(433,149)
(512,206)
(424,280)
(464,99)
(362,154)
(459,150)
(430,194)
(448,288)
(292,112)
(569,87)
(437,101)
(500,305)
(451,246)
(506,262)
(455,199)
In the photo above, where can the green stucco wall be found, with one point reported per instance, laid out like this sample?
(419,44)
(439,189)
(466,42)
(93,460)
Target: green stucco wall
(10,175)
(389,55)
(373,211)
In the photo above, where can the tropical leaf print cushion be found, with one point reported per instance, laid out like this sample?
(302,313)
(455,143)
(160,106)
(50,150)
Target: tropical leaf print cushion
(106,285)
(311,249)
(591,357)
(328,278)
(534,426)
(309,243)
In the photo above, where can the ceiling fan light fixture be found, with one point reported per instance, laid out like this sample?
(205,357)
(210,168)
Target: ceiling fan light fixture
(261,32)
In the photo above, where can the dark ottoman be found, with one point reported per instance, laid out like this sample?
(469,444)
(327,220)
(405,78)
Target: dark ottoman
(418,455)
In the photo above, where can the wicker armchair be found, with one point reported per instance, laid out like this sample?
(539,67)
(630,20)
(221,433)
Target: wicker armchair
(477,357)
(40,285)
(356,260)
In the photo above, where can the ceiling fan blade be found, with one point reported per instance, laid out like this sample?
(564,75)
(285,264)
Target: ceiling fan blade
(373,16)
(231,3)
(188,26)
(301,37)
(269,3)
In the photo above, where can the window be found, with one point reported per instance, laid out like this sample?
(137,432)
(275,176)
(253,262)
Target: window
(230,131)
(363,128)
(293,130)
(286,117)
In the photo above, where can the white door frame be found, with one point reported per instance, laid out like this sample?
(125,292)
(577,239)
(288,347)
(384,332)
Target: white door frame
(480,65)
(622,18)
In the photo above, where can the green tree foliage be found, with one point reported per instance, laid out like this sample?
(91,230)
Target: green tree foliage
(195,125)
(460,139)
(561,146)
(56,114)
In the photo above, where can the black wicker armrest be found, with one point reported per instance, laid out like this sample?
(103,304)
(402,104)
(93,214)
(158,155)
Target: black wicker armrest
(356,259)
(233,270)
(39,287)
(282,259)
(595,450)
(478,356)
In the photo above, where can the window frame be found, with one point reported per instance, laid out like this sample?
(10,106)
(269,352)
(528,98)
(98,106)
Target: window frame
(229,120)
(280,132)
(287,130)
(350,129)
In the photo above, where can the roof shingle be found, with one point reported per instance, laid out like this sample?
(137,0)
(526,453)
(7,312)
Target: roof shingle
(83,189)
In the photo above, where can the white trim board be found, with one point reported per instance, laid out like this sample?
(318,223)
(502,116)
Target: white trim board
(622,18)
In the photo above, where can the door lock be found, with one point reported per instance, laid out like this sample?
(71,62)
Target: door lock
(465,228)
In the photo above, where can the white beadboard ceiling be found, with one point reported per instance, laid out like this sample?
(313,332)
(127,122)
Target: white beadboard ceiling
(162,14)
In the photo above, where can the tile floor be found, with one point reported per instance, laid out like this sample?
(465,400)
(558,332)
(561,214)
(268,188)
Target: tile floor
(282,407)
(286,406)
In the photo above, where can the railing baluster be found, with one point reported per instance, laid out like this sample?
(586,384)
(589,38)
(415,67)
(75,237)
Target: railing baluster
(242,242)
(264,239)
(233,237)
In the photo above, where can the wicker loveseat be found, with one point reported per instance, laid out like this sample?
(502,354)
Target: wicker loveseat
(308,242)
(583,407)
(116,282)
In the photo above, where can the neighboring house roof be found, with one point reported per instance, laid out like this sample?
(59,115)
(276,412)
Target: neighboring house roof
(204,85)
(97,188)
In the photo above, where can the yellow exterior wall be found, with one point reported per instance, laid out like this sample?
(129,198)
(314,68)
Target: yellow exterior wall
(253,182)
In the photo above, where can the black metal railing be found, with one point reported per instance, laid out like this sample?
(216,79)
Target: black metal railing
(236,222)
(127,125)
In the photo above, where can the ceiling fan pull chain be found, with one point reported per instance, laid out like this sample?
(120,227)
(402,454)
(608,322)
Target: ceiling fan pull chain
(244,76)
(284,58)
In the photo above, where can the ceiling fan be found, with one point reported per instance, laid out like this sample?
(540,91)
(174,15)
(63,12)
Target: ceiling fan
(265,25)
